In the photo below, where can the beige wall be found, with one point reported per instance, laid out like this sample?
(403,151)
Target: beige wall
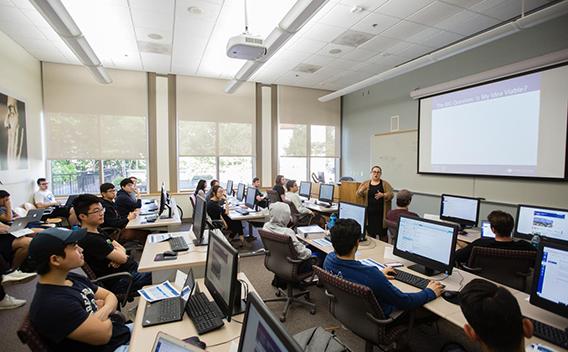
(20,77)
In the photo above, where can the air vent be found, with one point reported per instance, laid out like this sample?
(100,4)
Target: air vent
(352,38)
(155,48)
(306,68)
(253,40)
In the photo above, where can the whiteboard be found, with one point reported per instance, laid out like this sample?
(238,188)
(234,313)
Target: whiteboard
(397,152)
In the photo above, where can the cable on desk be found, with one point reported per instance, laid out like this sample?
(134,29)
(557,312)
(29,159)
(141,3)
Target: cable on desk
(224,342)
(443,278)
(460,283)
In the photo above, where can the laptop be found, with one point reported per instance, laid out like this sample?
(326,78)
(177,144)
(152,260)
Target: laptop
(486,230)
(169,309)
(35,215)
(168,343)
(70,199)
(18,228)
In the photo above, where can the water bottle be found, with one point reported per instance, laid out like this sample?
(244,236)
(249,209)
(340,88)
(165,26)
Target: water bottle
(331,221)
(535,241)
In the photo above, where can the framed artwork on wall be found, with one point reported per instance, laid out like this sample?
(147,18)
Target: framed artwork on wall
(13,136)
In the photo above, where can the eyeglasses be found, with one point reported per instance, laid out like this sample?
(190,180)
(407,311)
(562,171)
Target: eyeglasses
(44,184)
(97,211)
(376,172)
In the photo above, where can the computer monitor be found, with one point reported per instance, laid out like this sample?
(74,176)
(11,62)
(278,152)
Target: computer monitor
(199,217)
(326,193)
(262,331)
(549,281)
(230,188)
(430,244)
(461,210)
(355,212)
(240,191)
(305,189)
(486,231)
(221,268)
(250,199)
(545,222)
(164,202)
(321,176)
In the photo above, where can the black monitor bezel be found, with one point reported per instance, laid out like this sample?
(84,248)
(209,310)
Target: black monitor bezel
(250,189)
(332,192)
(529,236)
(225,309)
(427,262)
(229,190)
(309,191)
(244,189)
(199,200)
(276,326)
(163,199)
(535,299)
(463,222)
(364,227)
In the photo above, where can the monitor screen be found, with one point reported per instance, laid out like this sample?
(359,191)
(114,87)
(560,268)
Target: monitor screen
(355,212)
(163,199)
(426,242)
(199,215)
(221,272)
(241,191)
(229,188)
(462,210)
(486,231)
(546,222)
(551,278)
(326,193)
(262,332)
(305,189)
(251,196)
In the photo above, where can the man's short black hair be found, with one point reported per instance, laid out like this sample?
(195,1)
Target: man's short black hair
(4,194)
(42,267)
(502,222)
(494,314)
(40,180)
(105,187)
(290,184)
(83,202)
(344,235)
(255,179)
(125,182)
(213,182)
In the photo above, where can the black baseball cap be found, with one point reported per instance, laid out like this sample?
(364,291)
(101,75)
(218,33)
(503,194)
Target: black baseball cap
(52,241)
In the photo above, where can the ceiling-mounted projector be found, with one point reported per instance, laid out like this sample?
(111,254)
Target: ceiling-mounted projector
(245,47)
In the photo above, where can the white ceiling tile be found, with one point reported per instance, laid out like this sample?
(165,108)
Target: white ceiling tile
(342,16)
(369,5)
(379,43)
(12,14)
(434,13)
(153,5)
(146,18)
(466,4)
(467,23)
(6,3)
(323,32)
(403,30)
(434,38)
(325,51)
(359,55)
(375,23)
(402,8)
(412,51)
(308,45)
(156,62)
(342,64)
(500,9)
(17,31)
(210,10)
(142,33)
(388,60)
(318,60)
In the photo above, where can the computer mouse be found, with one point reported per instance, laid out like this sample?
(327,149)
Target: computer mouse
(194,340)
(170,254)
(450,295)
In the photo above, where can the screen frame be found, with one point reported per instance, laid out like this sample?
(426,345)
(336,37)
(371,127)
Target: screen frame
(249,189)
(230,190)
(309,191)
(528,72)
(332,192)
(535,299)
(199,199)
(244,189)
(364,227)
(265,313)
(459,220)
(529,237)
(225,309)
(427,262)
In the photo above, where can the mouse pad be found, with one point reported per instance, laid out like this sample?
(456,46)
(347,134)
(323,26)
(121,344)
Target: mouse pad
(160,257)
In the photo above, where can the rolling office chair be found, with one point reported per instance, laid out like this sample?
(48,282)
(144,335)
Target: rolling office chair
(392,230)
(273,196)
(346,178)
(511,268)
(298,219)
(356,308)
(281,259)
(123,298)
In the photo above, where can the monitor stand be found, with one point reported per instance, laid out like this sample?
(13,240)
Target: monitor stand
(203,241)
(424,270)
(363,241)
(240,305)
(169,216)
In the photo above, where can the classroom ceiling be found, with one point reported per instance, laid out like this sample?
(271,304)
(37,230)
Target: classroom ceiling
(345,42)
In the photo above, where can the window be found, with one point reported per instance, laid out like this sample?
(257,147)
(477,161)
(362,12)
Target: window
(116,170)
(75,176)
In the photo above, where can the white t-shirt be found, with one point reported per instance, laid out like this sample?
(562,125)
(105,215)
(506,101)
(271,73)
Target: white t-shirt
(43,197)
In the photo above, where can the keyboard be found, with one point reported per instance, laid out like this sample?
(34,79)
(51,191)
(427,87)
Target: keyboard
(550,333)
(170,310)
(152,208)
(178,244)
(242,211)
(410,279)
(205,315)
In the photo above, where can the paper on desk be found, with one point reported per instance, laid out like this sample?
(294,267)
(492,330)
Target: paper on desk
(371,262)
(159,237)
(159,292)
(322,242)
(310,229)
(388,254)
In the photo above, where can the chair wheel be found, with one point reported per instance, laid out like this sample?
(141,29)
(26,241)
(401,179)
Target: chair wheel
(307,296)
(282,318)
(278,294)
(312,311)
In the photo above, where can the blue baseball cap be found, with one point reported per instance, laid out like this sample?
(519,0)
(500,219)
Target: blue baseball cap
(53,241)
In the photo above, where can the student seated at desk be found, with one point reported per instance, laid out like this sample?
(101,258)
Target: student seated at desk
(14,251)
(292,196)
(200,188)
(259,198)
(279,220)
(7,214)
(209,193)
(217,211)
(124,202)
(279,183)
(7,301)
(43,198)
(104,255)
(345,236)
(502,225)
(68,311)
(494,317)
(403,199)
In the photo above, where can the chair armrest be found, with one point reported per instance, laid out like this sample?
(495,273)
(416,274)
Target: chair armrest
(518,273)
(118,316)
(295,261)
(117,276)
(472,270)
(379,321)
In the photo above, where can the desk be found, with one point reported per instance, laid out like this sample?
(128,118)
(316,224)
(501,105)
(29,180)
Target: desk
(382,252)
(260,216)
(172,223)
(471,235)
(321,209)
(143,338)
(165,270)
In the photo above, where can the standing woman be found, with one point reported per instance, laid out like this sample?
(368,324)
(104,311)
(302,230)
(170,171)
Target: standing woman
(377,194)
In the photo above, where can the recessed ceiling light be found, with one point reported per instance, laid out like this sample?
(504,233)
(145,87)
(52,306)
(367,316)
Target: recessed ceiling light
(155,36)
(194,10)
(335,51)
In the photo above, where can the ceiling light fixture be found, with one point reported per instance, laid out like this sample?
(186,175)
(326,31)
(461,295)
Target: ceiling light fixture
(63,24)
(194,10)
(335,51)
(293,21)
(491,35)
(155,36)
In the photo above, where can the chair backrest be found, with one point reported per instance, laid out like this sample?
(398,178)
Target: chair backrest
(192,200)
(280,248)
(346,178)
(298,219)
(273,196)
(505,266)
(88,271)
(393,230)
(353,305)
(29,336)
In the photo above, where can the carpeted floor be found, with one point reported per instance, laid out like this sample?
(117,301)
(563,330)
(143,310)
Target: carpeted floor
(425,338)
